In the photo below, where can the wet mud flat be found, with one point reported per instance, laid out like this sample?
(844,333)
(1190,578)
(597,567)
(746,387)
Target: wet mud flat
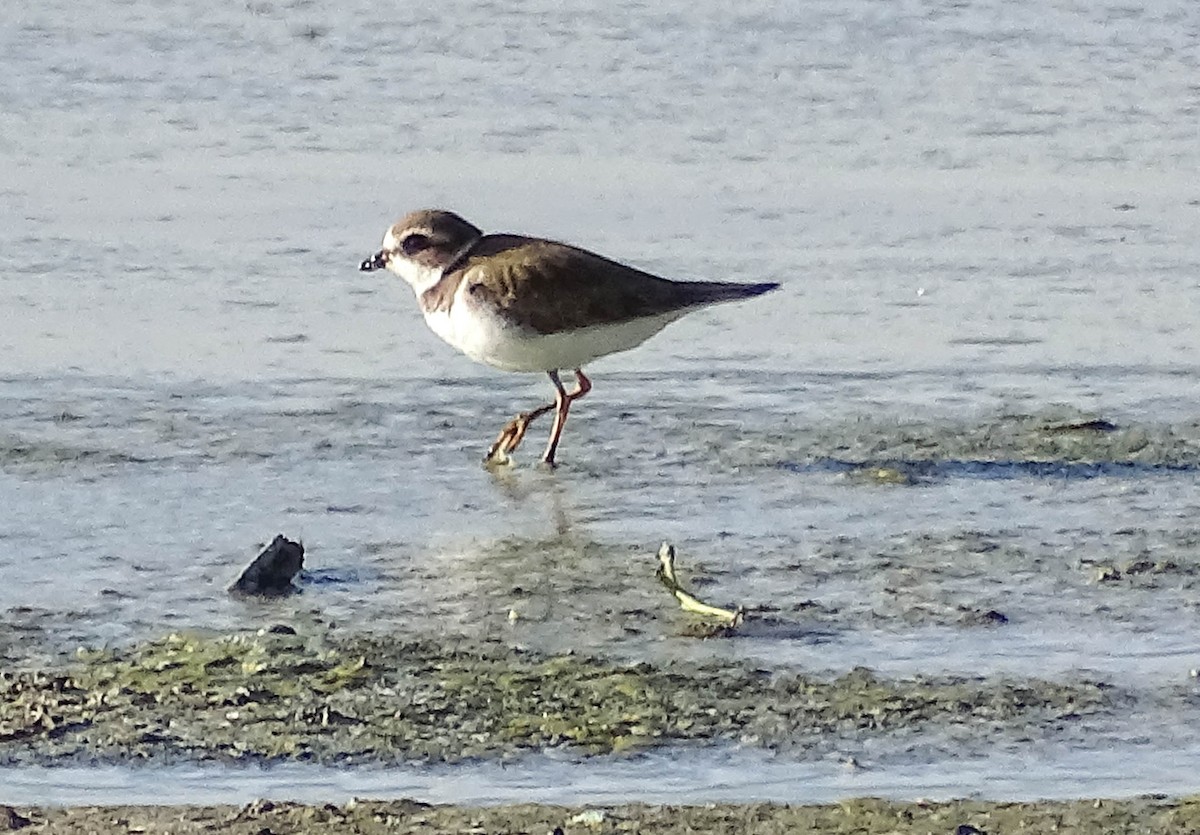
(1147,815)
(1029,530)
(359,699)
(276,695)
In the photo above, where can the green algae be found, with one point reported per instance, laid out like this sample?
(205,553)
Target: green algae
(283,696)
(892,452)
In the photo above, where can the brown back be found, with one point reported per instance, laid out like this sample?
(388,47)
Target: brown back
(549,287)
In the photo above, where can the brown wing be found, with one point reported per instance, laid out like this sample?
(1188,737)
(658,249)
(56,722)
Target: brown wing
(551,287)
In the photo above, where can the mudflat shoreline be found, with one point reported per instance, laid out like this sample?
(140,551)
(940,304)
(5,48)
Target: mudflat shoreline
(276,696)
(866,816)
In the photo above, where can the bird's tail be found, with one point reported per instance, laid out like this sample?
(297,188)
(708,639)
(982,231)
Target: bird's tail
(711,292)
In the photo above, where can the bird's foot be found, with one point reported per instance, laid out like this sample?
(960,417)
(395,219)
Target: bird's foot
(509,439)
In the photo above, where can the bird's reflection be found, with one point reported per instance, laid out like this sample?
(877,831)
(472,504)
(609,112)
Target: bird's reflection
(538,489)
(545,580)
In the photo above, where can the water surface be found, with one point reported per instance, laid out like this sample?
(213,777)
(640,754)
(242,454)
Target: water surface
(982,216)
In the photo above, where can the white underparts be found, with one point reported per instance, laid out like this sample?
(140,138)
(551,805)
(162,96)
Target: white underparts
(486,337)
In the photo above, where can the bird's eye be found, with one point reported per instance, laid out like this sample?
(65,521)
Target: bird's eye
(414,243)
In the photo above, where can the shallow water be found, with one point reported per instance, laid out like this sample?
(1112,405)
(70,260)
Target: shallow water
(983,218)
(704,777)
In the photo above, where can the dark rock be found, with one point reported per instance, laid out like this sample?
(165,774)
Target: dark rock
(11,819)
(1097,425)
(977,617)
(271,573)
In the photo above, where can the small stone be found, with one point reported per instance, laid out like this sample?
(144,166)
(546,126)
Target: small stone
(592,817)
(271,572)
(11,819)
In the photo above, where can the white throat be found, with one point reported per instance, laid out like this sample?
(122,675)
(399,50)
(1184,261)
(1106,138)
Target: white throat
(418,277)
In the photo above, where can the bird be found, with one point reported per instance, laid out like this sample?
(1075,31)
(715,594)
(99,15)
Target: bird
(528,304)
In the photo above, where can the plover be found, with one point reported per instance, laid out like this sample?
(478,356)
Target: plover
(528,304)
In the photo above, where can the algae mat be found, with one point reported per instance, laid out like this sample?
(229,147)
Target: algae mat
(276,695)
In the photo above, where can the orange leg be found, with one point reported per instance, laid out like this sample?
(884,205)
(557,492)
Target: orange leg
(562,402)
(514,431)
(512,434)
